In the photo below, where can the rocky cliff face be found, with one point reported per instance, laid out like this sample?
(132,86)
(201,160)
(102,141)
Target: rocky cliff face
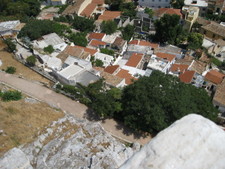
(193,142)
(70,143)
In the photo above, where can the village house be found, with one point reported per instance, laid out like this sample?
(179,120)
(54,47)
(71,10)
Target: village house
(171,49)
(213,78)
(51,39)
(96,36)
(135,60)
(96,44)
(161,62)
(191,77)
(190,16)
(213,31)
(126,75)
(110,79)
(120,45)
(10,28)
(177,69)
(56,2)
(106,59)
(112,69)
(109,15)
(219,98)
(219,48)
(201,4)
(158,13)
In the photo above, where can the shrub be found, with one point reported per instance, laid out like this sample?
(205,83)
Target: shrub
(31,60)
(216,61)
(10,70)
(11,95)
(49,49)
(107,51)
(11,46)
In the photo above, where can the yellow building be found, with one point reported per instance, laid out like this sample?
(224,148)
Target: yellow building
(190,16)
(214,31)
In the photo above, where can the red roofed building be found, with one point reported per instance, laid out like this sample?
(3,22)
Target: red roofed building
(166,56)
(91,51)
(144,43)
(187,76)
(96,36)
(178,68)
(170,11)
(109,15)
(126,75)
(135,60)
(112,69)
(89,10)
(214,76)
(97,44)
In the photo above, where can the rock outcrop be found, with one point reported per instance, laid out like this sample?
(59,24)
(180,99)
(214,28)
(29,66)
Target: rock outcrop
(193,142)
(70,143)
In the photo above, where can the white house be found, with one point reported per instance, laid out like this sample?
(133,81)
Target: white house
(106,59)
(9,28)
(161,62)
(201,4)
(155,3)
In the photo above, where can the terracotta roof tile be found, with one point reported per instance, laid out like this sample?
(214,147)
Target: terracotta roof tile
(134,60)
(96,43)
(89,10)
(125,74)
(179,67)
(119,42)
(198,66)
(166,56)
(99,2)
(111,69)
(144,43)
(215,28)
(90,51)
(72,9)
(98,36)
(160,12)
(187,76)
(214,76)
(219,96)
(109,15)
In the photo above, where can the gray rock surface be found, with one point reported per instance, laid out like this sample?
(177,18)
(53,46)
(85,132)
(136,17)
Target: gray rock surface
(193,142)
(70,143)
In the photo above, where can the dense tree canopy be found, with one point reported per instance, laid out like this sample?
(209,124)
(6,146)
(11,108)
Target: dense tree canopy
(150,12)
(20,8)
(128,9)
(195,40)
(178,4)
(34,29)
(108,27)
(128,32)
(153,103)
(78,39)
(168,29)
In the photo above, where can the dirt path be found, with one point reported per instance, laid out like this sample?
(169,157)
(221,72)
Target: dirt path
(60,101)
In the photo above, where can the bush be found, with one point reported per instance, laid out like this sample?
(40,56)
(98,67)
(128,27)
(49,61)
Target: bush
(11,95)
(31,60)
(49,49)
(107,51)
(216,61)
(98,63)
(108,27)
(11,46)
(10,70)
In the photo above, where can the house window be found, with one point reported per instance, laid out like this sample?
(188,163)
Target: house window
(204,32)
(213,35)
(159,7)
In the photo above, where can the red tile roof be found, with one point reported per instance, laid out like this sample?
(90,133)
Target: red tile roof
(91,51)
(160,12)
(89,10)
(126,75)
(98,36)
(96,43)
(144,43)
(166,56)
(109,15)
(134,60)
(187,76)
(179,67)
(111,69)
(214,76)
(99,2)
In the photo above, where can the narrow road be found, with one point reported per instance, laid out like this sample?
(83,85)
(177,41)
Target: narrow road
(57,100)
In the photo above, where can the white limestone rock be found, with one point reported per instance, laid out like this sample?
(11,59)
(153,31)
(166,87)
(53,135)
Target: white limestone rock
(15,158)
(193,142)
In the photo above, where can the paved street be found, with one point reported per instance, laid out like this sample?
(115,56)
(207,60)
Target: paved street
(44,94)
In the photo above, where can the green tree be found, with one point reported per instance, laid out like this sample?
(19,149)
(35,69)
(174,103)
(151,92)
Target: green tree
(178,4)
(49,49)
(222,65)
(153,103)
(83,24)
(168,29)
(31,60)
(150,12)
(10,70)
(11,95)
(98,63)
(78,39)
(108,27)
(195,40)
(128,9)
(11,46)
(107,51)
(128,32)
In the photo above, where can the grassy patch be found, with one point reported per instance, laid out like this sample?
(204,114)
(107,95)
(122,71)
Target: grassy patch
(216,61)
